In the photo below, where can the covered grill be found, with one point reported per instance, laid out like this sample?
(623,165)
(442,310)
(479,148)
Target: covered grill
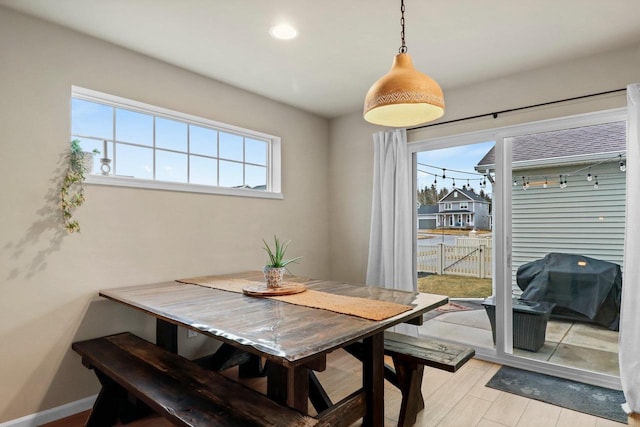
(582,288)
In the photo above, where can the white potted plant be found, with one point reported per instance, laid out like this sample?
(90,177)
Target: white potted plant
(275,268)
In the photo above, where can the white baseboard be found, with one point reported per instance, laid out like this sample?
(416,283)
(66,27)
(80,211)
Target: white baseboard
(52,414)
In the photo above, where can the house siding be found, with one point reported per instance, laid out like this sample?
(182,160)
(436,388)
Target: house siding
(577,219)
(478,211)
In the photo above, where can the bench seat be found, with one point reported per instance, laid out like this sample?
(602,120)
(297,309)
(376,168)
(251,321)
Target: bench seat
(410,355)
(174,388)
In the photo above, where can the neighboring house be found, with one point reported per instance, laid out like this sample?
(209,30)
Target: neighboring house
(427,217)
(578,218)
(463,208)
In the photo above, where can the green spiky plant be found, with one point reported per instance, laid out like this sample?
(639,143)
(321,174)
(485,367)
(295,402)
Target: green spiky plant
(72,190)
(276,255)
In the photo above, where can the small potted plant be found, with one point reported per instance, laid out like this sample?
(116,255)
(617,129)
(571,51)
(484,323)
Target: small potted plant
(72,190)
(275,268)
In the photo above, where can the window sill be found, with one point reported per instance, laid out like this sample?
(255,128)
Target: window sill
(117,181)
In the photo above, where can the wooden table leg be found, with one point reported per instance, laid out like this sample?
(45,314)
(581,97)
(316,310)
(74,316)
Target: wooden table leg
(373,380)
(289,386)
(167,335)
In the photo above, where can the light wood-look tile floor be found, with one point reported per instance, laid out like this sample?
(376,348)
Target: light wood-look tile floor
(451,400)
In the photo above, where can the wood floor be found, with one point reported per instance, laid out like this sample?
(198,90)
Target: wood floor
(455,400)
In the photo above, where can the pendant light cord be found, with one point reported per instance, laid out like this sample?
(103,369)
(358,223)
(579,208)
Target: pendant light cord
(403,48)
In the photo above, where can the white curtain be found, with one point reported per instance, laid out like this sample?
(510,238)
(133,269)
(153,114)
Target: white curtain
(390,248)
(630,313)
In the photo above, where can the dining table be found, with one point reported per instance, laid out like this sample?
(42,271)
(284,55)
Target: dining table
(292,334)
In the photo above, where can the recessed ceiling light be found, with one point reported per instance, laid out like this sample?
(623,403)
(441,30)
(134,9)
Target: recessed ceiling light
(283,32)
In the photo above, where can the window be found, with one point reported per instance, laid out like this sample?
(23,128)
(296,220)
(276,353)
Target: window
(464,205)
(152,147)
(448,206)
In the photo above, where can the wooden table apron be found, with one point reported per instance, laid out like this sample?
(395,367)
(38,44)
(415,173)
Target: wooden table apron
(296,338)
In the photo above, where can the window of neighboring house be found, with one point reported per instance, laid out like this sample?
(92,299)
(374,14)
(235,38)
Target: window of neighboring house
(464,205)
(152,147)
(448,206)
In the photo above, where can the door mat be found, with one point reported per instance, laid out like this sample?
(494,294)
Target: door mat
(597,401)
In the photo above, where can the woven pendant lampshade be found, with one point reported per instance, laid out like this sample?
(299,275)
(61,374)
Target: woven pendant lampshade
(404,96)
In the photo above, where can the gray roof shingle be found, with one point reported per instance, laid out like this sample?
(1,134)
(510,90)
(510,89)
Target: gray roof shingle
(595,139)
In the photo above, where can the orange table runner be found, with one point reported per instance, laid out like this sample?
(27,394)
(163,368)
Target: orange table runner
(365,308)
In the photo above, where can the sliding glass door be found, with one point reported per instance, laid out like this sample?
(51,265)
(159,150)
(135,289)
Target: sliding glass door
(555,194)
(454,239)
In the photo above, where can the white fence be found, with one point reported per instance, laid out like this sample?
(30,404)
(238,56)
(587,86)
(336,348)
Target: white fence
(469,257)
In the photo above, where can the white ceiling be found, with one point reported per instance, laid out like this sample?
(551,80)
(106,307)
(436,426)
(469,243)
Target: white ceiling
(345,45)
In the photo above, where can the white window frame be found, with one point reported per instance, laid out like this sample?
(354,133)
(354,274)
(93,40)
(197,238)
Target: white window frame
(274,170)
(448,206)
(464,205)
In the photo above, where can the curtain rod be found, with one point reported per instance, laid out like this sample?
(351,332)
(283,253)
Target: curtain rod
(495,114)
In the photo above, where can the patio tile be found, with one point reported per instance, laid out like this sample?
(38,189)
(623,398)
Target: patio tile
(592,360)
(592,336)
(557,329)
(472,318)
(454,332)
(543,354)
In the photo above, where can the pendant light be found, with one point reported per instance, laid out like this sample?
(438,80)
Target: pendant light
(404,96)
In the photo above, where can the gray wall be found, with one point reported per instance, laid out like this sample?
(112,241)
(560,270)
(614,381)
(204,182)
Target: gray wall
(49,280)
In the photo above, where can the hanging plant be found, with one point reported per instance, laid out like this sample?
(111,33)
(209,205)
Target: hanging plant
(72,189)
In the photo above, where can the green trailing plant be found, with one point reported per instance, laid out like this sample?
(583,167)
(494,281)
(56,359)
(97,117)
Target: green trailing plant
(276,255)
(72,189)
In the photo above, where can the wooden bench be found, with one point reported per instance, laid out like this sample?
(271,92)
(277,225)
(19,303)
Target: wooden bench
(174,388)
(410,355)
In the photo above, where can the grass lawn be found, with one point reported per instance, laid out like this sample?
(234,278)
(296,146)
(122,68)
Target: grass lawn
(455,286)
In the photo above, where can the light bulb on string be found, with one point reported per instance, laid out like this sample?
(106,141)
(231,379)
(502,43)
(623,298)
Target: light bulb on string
(545,183)
(595,186)
(589,177)
(515,182)
(623,166)
(444,176)
(454,183)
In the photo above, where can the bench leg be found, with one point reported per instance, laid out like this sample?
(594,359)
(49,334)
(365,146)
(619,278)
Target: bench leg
(409,376)
(104,412)
(113,404)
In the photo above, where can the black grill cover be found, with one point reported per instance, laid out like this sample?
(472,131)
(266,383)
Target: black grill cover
(583,288)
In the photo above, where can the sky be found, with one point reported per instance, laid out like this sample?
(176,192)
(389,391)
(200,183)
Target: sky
(462,158)
(164,149)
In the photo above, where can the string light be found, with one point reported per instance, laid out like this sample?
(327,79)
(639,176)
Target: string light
(563,178)
(623,164)
(441,172)
(595,186)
